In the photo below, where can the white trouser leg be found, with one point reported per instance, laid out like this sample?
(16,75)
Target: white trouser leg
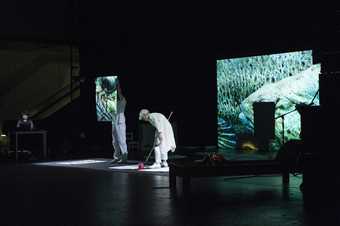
(164,155)
(121,137)
(157,155)
(116,152)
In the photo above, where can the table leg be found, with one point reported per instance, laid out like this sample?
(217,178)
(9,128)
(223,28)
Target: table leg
(16,146)
(285,178)
(186,185)
(44,145)
(172,179)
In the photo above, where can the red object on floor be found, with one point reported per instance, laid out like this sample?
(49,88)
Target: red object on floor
(140,166)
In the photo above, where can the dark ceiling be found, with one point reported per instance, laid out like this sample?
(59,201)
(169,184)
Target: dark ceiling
(167,25)
(141,29)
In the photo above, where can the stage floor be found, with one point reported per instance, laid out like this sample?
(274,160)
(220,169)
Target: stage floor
(88,192)
(105,164)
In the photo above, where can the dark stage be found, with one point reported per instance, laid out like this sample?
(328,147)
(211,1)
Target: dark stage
(210,66)
(66,193)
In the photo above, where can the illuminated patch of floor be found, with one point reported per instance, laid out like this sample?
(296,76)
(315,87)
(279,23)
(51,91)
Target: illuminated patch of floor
(135,167)
(103,164)
(73,162)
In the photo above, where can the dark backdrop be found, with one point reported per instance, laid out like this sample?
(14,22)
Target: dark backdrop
(165,56)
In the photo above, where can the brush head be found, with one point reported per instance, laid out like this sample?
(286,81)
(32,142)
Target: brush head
(140,166)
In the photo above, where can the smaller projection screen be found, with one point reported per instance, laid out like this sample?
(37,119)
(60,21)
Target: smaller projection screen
(106,97)
(263,92)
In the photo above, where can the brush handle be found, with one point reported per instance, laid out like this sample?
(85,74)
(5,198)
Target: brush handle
(146,160)
(170,115)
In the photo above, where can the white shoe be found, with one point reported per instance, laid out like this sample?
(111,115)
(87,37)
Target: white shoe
(164,164)
(155,166)
(115,160)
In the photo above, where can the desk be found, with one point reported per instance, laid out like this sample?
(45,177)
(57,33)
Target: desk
(41,132)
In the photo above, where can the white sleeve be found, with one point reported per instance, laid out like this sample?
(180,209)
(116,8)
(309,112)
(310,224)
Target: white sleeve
(156,123)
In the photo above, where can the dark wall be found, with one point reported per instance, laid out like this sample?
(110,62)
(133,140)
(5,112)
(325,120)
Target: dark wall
(166,58)
(38,20)
(163,83)
(165,54)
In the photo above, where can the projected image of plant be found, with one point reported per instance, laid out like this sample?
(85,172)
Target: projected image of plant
(106,97)
(287,79)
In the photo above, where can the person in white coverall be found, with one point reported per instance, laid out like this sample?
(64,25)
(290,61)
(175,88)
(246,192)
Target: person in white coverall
(164,136)
(119,130)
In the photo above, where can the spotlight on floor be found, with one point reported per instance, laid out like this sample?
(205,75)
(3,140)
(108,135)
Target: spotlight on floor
(72,162)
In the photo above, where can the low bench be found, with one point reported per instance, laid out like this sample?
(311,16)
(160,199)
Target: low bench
(188,168)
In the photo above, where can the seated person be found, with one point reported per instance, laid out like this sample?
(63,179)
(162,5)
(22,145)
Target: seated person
(25,123)
(25,142)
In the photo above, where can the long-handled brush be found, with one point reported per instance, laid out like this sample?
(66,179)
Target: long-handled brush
(141,164)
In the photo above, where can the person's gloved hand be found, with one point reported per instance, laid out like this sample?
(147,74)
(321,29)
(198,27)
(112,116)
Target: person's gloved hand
(156,143)
(158,139)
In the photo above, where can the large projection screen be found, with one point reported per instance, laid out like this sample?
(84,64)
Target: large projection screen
(285,80)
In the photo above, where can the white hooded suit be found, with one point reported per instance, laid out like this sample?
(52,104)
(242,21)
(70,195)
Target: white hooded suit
(164,135)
